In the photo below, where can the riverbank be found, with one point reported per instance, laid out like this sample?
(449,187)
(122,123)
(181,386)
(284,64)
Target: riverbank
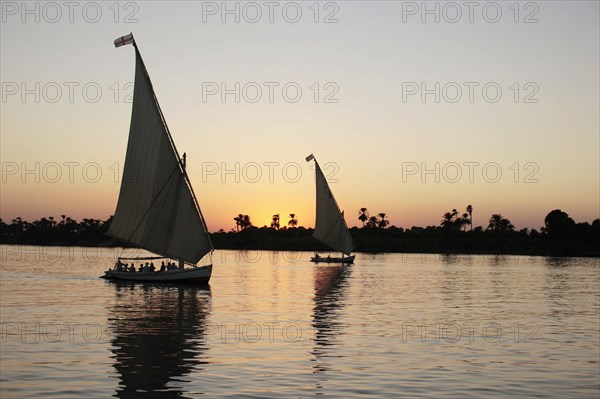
(434,240)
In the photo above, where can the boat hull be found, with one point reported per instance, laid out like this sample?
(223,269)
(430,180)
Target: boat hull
(196,276)
(322,259)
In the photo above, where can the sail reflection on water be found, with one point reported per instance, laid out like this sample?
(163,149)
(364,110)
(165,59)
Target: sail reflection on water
(159,338)
(330,284)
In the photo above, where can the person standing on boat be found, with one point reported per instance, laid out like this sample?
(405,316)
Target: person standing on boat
(162,266)
(181,264)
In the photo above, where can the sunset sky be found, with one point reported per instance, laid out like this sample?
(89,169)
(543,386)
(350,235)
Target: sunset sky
(410,111)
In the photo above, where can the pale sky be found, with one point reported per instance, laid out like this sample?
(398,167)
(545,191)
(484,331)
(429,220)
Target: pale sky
(493,105)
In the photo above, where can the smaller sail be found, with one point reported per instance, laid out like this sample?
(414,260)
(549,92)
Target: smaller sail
(330,226)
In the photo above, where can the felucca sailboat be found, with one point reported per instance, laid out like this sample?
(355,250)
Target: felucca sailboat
(157,209)
(330,226)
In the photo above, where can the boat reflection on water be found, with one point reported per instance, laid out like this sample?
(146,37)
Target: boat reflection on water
(330,285)
(159,338)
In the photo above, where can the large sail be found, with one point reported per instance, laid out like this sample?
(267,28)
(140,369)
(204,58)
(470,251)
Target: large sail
(157,209)
(330,226)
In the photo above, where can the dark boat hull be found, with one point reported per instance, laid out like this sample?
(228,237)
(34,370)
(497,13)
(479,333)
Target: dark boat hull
(196,276)
(322,259)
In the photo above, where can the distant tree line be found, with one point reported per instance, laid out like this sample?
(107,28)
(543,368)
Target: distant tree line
(559,236)
(47,231)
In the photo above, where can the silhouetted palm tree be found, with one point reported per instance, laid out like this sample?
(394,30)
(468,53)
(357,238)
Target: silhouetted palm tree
(363,215)
(465,221)
(447,222)
(453,221)
(499,223)
(246,222)
(372,222)
(275,221)
(382,220)
(293,221)
(470,212)
(239,221)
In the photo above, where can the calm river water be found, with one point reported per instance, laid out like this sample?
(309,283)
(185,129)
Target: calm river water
(273,325)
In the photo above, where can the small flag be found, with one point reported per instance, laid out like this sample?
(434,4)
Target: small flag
(123,40)
(310,158)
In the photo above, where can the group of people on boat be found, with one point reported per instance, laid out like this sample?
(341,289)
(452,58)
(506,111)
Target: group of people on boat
(146,268)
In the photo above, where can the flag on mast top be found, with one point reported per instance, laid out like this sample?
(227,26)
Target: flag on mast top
(123,40)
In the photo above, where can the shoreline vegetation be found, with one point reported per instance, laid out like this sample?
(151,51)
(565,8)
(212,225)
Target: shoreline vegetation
(560,235)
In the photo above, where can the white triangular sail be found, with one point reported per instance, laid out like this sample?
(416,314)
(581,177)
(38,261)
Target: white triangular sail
(157,209)
(330,226)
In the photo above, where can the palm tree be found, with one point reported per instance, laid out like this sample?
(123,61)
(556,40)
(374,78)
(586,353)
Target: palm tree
(246,222)
(506,225)
(499,223)
(383,220)
(293,221)
(363,215)
(239,221)
(470,212)
(458,221)
(465,221)
(275,222)
(453,221)
(447,222)
(372,222)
